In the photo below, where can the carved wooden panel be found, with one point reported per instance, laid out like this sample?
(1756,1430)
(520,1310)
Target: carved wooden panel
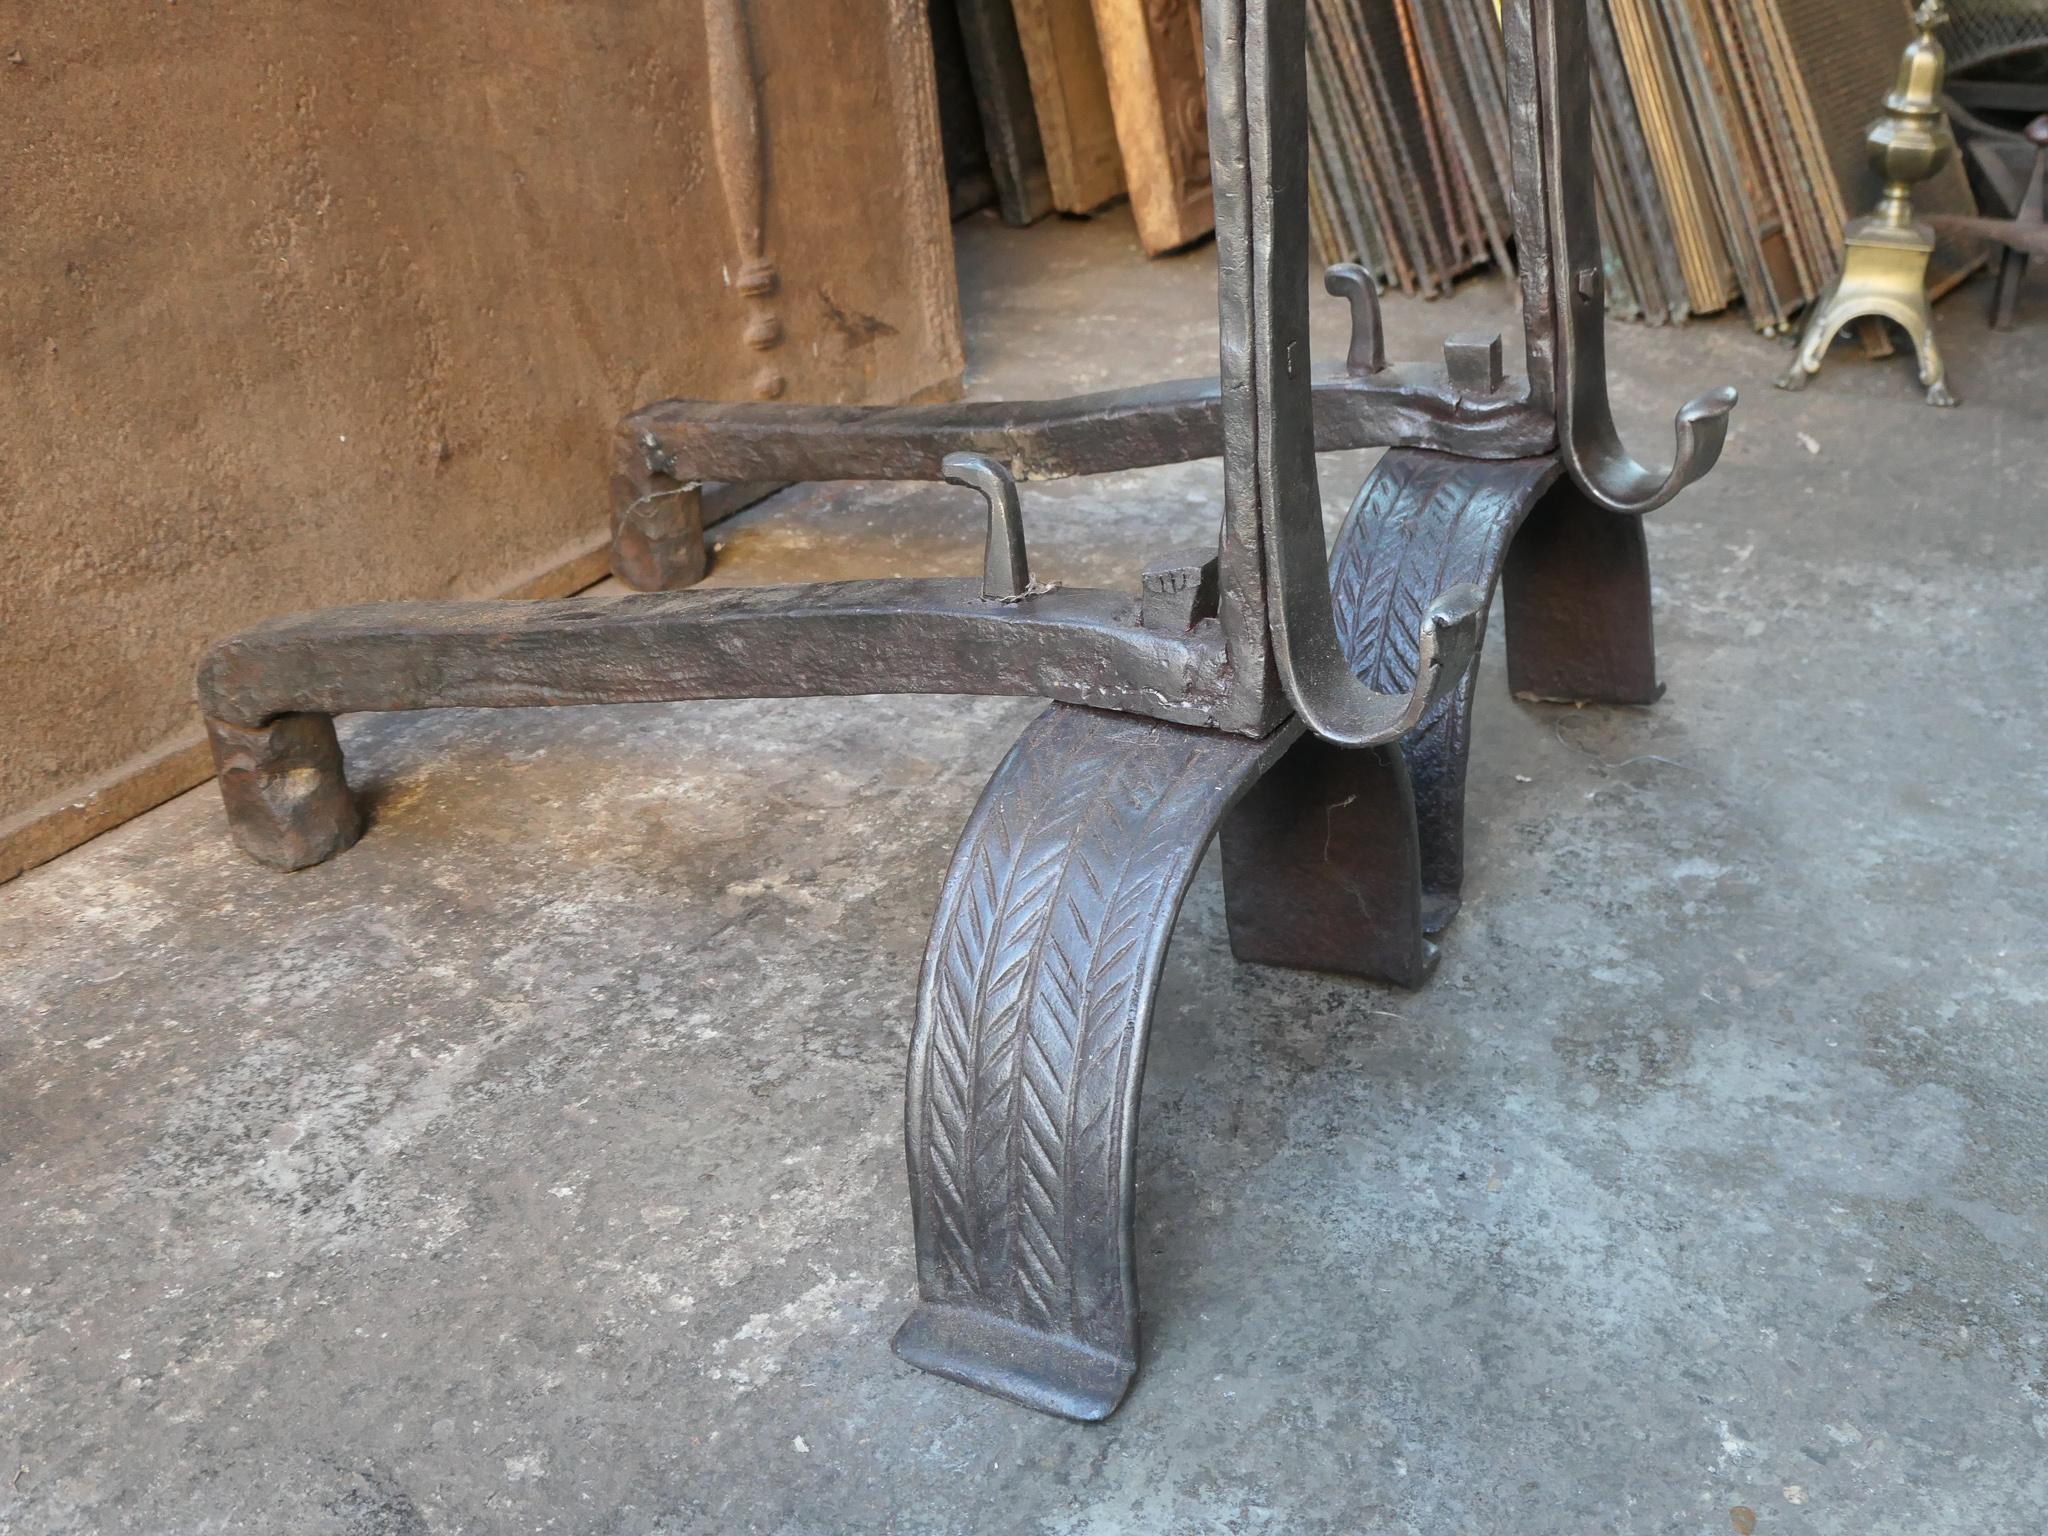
(460,241)
(1152,52)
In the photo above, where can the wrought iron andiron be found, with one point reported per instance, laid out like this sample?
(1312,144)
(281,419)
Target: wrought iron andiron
(1313,705)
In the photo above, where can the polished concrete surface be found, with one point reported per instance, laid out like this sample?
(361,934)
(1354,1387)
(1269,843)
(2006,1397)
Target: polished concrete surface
(536,1165)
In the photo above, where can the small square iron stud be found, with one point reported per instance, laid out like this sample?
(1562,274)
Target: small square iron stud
(1473,362)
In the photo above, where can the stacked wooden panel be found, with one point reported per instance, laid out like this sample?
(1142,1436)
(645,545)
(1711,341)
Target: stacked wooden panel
(1071,94)
(1158,94)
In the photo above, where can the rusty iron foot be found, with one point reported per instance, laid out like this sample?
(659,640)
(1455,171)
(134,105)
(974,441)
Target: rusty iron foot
(288,800)
(1576,584)
(658,521)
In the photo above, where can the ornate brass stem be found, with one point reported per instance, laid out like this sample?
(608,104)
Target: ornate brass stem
(1884,264)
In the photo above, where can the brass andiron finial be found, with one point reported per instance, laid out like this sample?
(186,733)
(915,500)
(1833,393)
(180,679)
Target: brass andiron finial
(1884,268)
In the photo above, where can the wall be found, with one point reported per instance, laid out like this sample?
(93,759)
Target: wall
(313,303)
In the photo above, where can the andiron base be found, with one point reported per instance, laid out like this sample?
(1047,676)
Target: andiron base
(1884,275)
(1052,927)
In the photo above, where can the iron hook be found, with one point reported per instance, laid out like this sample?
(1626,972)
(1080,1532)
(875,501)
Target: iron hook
(1588,440)
(1341,707)
(1349,281)
(1005,567)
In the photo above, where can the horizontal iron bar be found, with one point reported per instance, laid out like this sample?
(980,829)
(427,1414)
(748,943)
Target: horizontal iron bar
(932,635)
(1405,406)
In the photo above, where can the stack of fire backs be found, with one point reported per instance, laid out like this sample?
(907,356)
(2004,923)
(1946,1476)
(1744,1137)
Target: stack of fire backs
(1083,101)
(1727,144)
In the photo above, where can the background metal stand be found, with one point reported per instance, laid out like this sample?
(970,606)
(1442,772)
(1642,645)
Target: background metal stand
(1884,267)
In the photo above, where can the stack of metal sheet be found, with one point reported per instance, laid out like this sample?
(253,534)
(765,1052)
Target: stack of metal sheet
(1727,143)
(1409,139)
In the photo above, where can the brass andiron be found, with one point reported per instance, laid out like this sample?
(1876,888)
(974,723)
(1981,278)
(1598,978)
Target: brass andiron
(1884,267)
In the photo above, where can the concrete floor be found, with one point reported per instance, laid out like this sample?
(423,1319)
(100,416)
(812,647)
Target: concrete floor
(535,1166)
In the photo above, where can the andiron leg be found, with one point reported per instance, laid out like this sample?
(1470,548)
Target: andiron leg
(1322,866)
(1032,1018)
(1421,517)
(287,796)
(1577,588)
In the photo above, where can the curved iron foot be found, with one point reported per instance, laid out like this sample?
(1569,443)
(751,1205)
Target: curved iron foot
(1578,601)
(1322,864)
(1032,1017)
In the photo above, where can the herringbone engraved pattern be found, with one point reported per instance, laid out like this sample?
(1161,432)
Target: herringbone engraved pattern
(1038,990)
(1421,523)
(1053,925)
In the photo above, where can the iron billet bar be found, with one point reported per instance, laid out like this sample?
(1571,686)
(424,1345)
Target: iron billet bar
(932,635)
(1243,599)
(1531,211)
(1406,405)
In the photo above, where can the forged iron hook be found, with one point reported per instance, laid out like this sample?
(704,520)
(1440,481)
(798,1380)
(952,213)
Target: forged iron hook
(1614,480)
(1349,281)
(1587,438)
(1005,567)
(1341,707)
(1265,47)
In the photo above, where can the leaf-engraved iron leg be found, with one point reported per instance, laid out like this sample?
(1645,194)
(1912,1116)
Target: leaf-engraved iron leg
(1577,582)
(1032,1018)
(1426,518)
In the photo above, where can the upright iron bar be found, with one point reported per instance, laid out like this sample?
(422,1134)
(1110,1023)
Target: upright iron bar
(1262,258)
